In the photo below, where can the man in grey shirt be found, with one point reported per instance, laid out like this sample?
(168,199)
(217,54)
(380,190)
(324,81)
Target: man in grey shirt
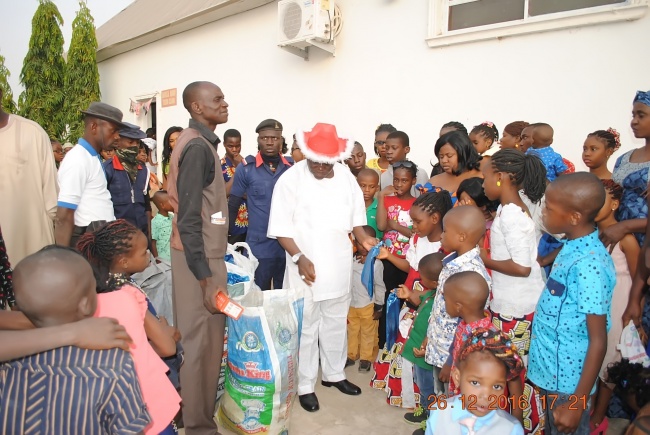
(199,239)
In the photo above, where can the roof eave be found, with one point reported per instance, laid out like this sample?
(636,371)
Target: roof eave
(198,19)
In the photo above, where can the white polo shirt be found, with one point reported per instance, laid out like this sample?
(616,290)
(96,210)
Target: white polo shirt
(82,186)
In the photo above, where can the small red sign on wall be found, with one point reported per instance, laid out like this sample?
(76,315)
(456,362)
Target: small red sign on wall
(168,97)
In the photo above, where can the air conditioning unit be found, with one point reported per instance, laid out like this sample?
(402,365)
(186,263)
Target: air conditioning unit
(307,23)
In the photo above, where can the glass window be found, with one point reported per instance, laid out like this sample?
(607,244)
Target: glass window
(541,7)
(483,12)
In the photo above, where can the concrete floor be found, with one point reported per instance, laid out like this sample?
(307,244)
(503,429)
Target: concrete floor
(360,415)
(341,414)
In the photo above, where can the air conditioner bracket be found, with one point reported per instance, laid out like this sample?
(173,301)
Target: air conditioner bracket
(304,53)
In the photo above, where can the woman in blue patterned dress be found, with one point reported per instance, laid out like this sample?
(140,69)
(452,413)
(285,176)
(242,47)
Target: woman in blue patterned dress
(633,177)
(632,171)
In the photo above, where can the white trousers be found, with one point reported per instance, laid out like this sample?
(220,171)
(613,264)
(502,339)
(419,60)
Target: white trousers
(324,334)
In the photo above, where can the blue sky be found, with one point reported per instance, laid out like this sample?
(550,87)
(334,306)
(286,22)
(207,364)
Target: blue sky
(16,28)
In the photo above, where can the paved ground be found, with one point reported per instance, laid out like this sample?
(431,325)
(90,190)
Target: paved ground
(347,415)
(357,415)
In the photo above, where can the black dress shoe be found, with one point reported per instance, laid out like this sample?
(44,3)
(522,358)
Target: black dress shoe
(344,386)
(309,402)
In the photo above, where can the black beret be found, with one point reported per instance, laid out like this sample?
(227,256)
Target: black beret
(269,124)
(132,131)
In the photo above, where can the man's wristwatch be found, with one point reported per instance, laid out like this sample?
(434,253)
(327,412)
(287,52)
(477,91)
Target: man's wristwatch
(296,257)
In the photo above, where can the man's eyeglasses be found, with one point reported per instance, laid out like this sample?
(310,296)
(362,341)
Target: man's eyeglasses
(403,164)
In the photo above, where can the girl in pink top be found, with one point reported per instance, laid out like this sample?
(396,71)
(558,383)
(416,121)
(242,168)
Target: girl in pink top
(115,251)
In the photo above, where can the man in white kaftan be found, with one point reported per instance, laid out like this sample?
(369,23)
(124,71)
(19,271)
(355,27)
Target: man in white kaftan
(28,186)
(315,207)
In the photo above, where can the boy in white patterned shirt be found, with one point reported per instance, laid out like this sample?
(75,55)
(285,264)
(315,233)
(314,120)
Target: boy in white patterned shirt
(463,228)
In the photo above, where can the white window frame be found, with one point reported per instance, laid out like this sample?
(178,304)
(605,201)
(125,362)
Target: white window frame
(439,36)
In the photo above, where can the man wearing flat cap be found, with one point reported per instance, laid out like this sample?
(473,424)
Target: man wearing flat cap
(84,200)
(255,179)
(128,181)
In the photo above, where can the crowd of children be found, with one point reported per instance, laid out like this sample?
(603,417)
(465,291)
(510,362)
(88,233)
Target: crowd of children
(511,304)
(563,323)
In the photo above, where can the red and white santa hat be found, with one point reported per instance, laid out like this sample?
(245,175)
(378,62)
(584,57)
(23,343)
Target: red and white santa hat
(323,145)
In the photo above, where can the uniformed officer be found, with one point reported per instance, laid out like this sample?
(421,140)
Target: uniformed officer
(128,181)
(255,179)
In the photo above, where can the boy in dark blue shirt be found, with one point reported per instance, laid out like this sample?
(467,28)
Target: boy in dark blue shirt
(68,389)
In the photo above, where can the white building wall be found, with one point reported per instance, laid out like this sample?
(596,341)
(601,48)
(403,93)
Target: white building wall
(577,80)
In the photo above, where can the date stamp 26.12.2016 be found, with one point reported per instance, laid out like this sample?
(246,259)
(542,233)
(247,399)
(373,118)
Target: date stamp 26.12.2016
(507,403)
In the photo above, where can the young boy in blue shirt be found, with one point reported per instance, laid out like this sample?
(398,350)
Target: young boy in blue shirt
(569,337)
(537,139)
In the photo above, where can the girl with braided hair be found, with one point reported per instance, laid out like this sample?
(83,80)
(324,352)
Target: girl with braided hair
(625,256)
(485,363)
(598,148)
(517,280)
(452,126)
(483,136)
(426,213)
(115,251)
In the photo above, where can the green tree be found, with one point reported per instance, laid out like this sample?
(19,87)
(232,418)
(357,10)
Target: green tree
(43,70)
(7,96)
(81,84)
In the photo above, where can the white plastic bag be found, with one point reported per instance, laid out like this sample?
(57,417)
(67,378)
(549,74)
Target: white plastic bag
(631,346)
(250,263)
(243,267)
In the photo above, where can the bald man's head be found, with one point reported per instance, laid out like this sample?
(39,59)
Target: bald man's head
(192,92)
(205,103)
(55,286)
